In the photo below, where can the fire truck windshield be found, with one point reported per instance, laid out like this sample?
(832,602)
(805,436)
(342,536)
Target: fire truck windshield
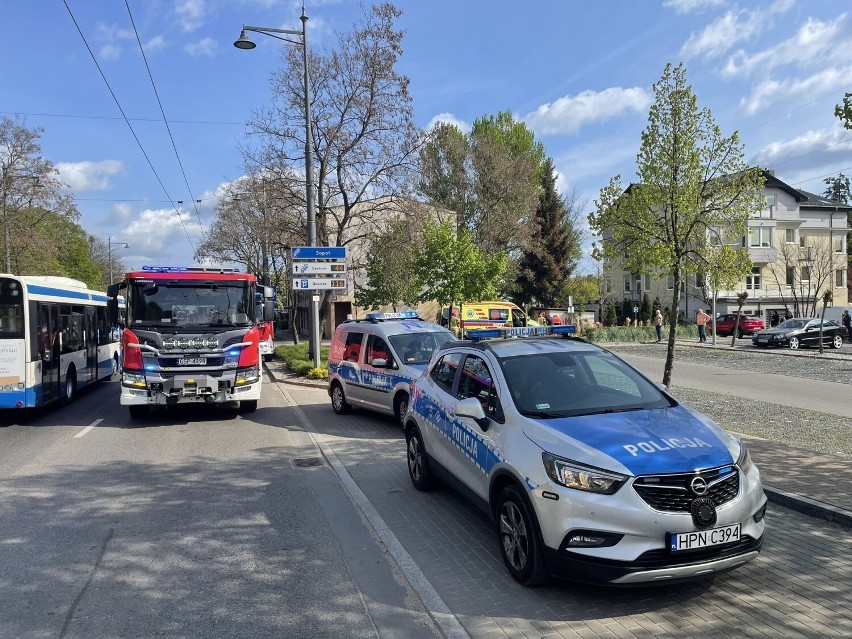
(189,303)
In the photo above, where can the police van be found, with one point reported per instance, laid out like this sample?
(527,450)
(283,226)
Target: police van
(372,361)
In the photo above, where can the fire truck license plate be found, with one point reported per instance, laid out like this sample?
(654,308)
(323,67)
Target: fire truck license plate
(192,361)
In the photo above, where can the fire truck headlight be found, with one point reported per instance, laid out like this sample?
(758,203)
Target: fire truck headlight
(133,380)
(247,376)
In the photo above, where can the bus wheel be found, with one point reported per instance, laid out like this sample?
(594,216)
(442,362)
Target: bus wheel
(70,384)
(248,406)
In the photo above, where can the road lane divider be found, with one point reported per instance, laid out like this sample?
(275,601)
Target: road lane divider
(88,428)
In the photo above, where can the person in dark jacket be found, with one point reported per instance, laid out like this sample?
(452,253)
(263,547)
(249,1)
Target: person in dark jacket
(847,322)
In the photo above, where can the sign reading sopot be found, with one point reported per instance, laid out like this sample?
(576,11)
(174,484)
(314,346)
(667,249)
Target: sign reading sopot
(316,268)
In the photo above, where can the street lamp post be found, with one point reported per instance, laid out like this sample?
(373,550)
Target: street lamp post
(110,242)
(244,43)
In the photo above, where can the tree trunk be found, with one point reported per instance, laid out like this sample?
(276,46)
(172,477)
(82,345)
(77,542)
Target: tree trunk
(673,316)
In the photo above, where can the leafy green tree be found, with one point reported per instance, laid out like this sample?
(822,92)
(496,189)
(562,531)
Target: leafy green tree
(583,289)
(837,188)
(627,309)
(657,305)
(58,245)
(451,269)
(611,317)
(391,269)
(844,111)
(543,267)
(694,187)
(490,177)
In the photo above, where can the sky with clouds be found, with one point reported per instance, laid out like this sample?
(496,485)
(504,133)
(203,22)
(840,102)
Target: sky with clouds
(578,73)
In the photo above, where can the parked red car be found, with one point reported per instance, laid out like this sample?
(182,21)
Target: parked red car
(749,324)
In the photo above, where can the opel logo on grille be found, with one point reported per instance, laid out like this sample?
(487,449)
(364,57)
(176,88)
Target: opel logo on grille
(698,486)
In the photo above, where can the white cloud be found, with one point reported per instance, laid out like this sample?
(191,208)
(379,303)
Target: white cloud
(692,6)
(768,92)
(736,25)
(190,13)
(89,176)
(811,150)
(568,114)
(111,36)
(155,44)
(815,40)
(157,232)
(448,118)
(205,46)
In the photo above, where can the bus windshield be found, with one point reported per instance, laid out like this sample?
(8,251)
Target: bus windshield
(190,303)
(11,310)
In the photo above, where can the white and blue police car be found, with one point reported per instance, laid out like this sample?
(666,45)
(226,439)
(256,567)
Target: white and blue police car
(590,471)
(372,361)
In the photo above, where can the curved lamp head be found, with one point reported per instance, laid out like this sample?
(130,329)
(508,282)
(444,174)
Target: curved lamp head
(244,42)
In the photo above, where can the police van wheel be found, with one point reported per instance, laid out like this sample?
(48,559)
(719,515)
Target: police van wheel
(520,542)
(401,408)
(419,470)
(338,400)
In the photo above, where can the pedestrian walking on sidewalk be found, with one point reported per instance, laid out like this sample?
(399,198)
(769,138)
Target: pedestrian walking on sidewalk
(701,319)
(847,322)
(658,324)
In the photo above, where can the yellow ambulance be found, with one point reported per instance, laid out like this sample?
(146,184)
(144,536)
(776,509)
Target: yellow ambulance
(475,315)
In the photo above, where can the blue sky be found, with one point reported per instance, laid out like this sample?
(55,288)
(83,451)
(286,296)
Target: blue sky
(578,73)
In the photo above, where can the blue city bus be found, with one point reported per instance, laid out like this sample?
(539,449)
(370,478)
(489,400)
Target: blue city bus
(54,339)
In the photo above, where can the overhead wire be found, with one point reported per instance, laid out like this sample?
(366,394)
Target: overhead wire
(165,119)
(127,121)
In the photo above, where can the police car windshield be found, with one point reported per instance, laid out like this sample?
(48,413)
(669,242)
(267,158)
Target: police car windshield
(562,384)
(417,348)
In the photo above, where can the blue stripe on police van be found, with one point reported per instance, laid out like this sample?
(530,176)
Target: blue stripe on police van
(664,440)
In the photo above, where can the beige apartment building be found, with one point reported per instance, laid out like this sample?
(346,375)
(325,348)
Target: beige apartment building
(797,245)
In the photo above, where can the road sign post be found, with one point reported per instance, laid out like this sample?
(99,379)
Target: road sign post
(318,268)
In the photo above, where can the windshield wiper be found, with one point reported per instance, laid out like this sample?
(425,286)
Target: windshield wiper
(540,414)
(606,411)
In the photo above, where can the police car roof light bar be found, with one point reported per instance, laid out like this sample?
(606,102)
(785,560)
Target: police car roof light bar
(524,331)
(380,317)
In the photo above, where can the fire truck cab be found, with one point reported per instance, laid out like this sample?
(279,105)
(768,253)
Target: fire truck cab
(190,335)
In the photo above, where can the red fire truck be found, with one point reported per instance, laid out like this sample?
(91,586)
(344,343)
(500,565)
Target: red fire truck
(266,329)
(190,335)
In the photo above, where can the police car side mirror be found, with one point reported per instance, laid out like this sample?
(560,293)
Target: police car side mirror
(380,362)
(471,407)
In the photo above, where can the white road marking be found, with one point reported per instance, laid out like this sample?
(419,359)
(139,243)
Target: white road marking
(88,428)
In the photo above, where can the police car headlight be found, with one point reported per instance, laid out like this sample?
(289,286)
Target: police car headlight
(744,462)
(573,475)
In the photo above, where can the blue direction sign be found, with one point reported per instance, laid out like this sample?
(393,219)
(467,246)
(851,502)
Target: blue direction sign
(318,252)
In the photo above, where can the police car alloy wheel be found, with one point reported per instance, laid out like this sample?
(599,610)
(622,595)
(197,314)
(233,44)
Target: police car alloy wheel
(338,400)
(401,408)
(520,542)
(418,463)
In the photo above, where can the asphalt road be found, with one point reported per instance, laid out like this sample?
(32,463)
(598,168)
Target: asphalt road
(295,522)
(194,523)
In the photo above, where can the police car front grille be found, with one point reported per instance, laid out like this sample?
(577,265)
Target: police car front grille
(672,493)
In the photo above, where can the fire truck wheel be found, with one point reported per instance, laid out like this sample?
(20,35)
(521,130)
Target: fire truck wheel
(248,406)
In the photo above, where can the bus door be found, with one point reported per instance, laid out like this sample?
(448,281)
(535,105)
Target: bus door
(48,331)
(90,339)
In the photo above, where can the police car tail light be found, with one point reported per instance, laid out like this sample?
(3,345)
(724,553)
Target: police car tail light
(744,462)
(573,475)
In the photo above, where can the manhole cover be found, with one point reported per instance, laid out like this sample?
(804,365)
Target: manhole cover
(307,462)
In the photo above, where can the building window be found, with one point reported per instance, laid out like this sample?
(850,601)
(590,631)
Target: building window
(607,286)
(715,233)
(767,212)
(837,241)
(626,283)
(791,276)
(840,278)
(803,241)
(806,274)
(699,280)
(790,236)
(670,282)
(753,280)
(760,236)
(647,282)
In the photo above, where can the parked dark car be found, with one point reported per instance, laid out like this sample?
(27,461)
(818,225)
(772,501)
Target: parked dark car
(749,324)
(802,332)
